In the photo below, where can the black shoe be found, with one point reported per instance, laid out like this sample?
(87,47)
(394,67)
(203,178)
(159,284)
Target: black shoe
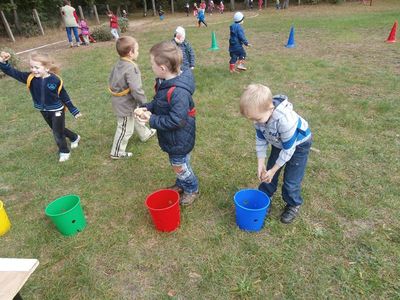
(289,213)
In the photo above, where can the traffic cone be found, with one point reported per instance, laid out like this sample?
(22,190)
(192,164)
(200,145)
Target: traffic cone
(392,35)
(214,45)
(291,43)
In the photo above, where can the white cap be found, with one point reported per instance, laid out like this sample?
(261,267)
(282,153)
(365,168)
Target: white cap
(180,30)
(238,17)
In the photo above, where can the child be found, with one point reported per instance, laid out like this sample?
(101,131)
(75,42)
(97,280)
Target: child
(113,24)
(84,31)
(124,14)
(188,60)
(221,7)
(260,3)
(290,137)
(277,4)
(195,10)
(236,41)
(127,93)
(187,9)
(211,6)
(201,16)
(161,13)
(49,96)
(172,113)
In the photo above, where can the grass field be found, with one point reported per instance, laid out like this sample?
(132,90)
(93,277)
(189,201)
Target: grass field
(341,77)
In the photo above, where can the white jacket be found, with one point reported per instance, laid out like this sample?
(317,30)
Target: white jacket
(285,129)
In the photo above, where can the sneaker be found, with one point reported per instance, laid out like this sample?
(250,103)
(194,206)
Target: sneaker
(175,188)
(75,143)
(123,155)
(241,67)
(188,199)
(64,156)
(152,132)
(289,213)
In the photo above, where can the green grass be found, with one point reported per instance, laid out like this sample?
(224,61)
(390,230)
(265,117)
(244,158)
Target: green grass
(341,77)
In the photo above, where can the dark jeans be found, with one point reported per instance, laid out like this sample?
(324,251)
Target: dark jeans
(201,21)
(292,175)
(56,121)
(235,55)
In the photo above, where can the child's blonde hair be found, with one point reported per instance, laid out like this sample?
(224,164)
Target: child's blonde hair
(47,61)
(125,44)
(255,98)
(167,54)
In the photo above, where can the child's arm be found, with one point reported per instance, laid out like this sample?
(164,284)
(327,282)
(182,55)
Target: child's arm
(261,150)
(191,56)
(68,103)
(135,85)
(9,70)
(242,37)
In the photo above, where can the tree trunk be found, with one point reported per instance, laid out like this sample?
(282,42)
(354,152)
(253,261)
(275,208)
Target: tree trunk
(153,3)
(144,8)
(16,19)
(232,5)
(172,6)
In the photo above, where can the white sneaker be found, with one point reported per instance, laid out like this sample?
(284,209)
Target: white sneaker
(122,155)
(152,132)
(64,156)
(75,143)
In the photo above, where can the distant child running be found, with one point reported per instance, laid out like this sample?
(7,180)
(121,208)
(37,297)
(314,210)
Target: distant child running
(276,123)
(127,94)
(188,60)
(236,41)
(201,17)
(113,24)
(187,7)
(172,113)
(49,97)
(221,7)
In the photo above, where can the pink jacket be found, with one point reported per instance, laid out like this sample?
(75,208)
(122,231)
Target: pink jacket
(84,27)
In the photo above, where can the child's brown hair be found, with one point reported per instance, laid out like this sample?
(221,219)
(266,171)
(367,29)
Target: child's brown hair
(47,61)
(125,44)
(255,98)
(167,54)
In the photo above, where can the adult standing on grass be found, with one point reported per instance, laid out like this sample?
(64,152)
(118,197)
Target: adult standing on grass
(49,97)
(71,22)
(276,123)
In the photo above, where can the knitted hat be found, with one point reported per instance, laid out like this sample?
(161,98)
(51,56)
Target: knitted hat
(180,30)
(238,17)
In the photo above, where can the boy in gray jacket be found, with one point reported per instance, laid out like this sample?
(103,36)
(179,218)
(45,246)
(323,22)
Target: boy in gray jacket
(276,123)
(125,86)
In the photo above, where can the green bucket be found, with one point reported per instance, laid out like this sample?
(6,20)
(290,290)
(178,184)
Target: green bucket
(67,214)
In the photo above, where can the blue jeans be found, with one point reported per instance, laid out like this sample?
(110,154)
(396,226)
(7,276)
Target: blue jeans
(292,176)
(235,55)
(75,29)
(185,178)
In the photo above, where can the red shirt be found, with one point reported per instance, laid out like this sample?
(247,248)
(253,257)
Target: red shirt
(113,21)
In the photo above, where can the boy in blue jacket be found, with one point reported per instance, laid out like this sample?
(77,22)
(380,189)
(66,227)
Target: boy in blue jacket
(49,97)
(172,113)
(188,58)
(236,41)
(276,123)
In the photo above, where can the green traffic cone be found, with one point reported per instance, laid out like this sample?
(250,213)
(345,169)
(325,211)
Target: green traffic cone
(214,45)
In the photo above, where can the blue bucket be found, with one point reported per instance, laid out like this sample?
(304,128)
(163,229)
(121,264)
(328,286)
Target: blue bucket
(251,209)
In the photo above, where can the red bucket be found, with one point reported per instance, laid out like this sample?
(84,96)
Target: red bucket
(163,206)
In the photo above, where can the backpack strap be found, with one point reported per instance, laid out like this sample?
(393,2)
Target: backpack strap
(191,113)
(31,76)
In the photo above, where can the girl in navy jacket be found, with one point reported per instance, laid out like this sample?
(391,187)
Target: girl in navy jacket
(48,95)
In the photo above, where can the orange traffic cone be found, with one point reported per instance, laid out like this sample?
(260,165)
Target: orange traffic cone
(392,35)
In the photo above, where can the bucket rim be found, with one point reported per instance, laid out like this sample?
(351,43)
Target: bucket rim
(160,209)
(252,209)
(65,212)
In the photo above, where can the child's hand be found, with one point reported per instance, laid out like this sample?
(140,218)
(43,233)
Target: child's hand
(261,171)
(4,56)
(139,111)
(267,176)
(144,117)
(79,115)
(249,45)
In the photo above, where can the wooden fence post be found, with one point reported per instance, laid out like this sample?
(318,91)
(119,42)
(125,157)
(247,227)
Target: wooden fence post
(8,29)
(81,12)
(36,17)
(96,14)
